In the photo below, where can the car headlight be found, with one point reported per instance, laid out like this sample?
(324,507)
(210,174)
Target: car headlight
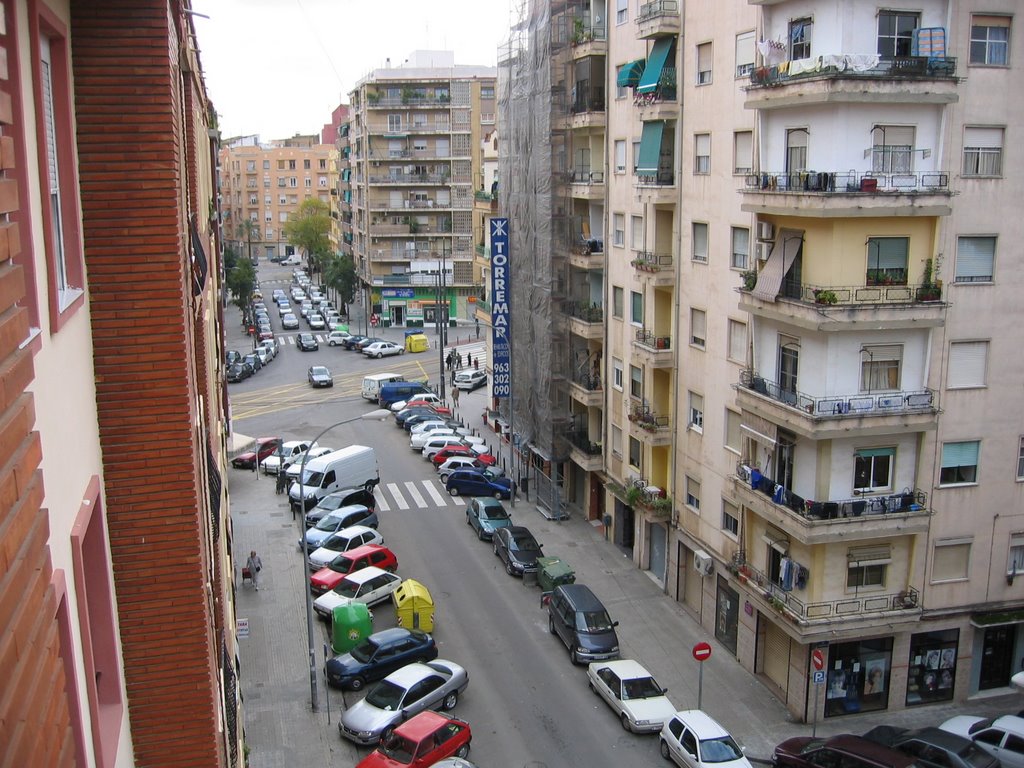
(644,722)
(365,734)
(580,649)
(615,649)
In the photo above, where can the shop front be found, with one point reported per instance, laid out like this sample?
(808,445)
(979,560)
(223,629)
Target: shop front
(858,675)
(413,307)
(931,668)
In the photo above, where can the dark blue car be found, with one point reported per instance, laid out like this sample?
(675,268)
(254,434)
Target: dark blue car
(378,656)
(470,482)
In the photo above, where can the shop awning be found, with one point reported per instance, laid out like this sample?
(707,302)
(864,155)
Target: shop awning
(630,74)
(781,258)
(997,619)
(650,147)
(655,63)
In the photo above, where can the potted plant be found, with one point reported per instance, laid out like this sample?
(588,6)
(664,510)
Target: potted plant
(825,296)
(749,279)
(931,289)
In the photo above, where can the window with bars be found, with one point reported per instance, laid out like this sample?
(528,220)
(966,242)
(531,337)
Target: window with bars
(892,149)
(975,259)
(983,151)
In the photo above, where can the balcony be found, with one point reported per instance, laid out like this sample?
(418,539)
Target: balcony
(837,78)
(589,40)
(587,184)
(587,253)
(584,452)
(658,188)
(411,179)
(658,269)
(588,108)
(651,350)
(586,388)
(648,427)
(585,320)
(847,194)
(429,102)
(661,103)
(840,308)
(832,416)
(658,18)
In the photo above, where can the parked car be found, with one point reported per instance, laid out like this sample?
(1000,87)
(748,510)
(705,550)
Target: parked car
(461,450)
(352,341)
(844,749)
(485,516)
(350,562)
(348,497)
(933,747)
(470,380)
(1002,737)
(306,308)
(402,694)
(467,462)
(517,548)
(265,446)
(232,356)
(424,398)
(421,741)
(379,655)
(632,693)
(367,341)
(271,346)
(316,321)
(343,540)
(337,338)
(319,376)
(289,322)
(420,439)
(472,483)
(263,355)
(272,463)
(253,359)
(437,442)
(239,372)
(381,349)
(580,620)
(694,740)
(284,308)
(292,465)
(410,417)
(369,586)
(307,342)
(329,524)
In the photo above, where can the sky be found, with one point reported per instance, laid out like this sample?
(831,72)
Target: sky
(279,67)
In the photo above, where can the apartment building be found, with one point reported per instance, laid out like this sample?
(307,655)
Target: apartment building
(116,623)
(415,157)
(265,183)
(807,219)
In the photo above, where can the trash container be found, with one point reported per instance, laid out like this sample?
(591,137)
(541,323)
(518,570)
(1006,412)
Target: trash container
(350,624)
(414,606)
(416,342)
(552,572)
(530,578)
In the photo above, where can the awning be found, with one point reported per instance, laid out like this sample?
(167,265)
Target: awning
(650,147)
(784,251)
(630,74)
(859,557)
(655,63)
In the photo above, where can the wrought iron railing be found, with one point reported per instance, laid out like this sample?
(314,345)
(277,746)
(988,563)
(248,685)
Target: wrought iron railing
(588,381)
(840,406)
(588,33)
(582,441)
(588,100)
(586,176)
(846,295)
(645,418)
(585,247)
(847,182)
(587,312)
(663,177)
(648,261)
(665,90)
(847,66)
(656,9)
(411,178)
(650,339)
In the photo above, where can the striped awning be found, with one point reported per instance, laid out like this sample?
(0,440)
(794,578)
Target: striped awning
(655,63)
(630,74)
(783,254)
(650,147)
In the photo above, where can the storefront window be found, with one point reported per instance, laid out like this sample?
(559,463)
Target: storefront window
(728,614)
(858,676)
(931,669)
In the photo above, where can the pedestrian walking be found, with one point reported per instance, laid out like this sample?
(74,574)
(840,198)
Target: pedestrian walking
(477,321)
(458,361)
(282,480)
(455,394)
(254,565)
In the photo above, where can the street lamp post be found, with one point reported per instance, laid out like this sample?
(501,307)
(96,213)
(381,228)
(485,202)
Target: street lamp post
(378,415)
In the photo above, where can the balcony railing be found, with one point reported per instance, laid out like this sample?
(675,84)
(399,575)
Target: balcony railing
(664,91)
(657,8)
(588,381)
(588,100)
(586,176)
(588,313)
(646,419)
(847,182)
(839,406)
(649,339)
(647,261)
(588,247)
(412,178)
(875,292)
(582,441)
(588,33)
(664,177)
(859,66)
(409,101)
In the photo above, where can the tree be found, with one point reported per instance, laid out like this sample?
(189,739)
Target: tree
(240,282)
(308,229)
(340,276)
(248,231)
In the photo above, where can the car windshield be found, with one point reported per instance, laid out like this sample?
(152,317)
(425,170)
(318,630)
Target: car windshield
(341,564)
(330,504)
(346,588)
(974,756)
(641,688)
(398,748)
(364,651)
(720,750)
(523,544)
(312,478)
(327,523)
(319,370)
(493,513)
(386,696)
(337,542)
(593,621)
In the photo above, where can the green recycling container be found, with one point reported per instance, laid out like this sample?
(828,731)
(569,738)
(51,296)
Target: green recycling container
(552,572)
(349,626)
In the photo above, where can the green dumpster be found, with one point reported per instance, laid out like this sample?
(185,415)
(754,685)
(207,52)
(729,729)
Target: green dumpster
(552,572)
(350,624)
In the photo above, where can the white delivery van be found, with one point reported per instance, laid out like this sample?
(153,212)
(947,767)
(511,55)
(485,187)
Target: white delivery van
(293,260)
(371,384)
(352,467)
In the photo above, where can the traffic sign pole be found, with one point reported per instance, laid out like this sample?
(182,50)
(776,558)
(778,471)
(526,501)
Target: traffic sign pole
(818,662)
(701,652)
(700,685)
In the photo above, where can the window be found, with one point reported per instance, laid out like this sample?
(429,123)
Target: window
(968,363)
(865,566)
(704,64)
(950,560)
(744,54)
(619,229)
(291,165)
(737,350)
(730,518)
(975,258)
(740,248)
(616,441)
(800,38)
(636,308)
(959,463)
(620,156)
(698,330)
(486,92)
(636,154)
(617,373)
(896,33)
(887,260)
(618,299)
(990,41)
(872,469)
(742,152)
(323,164)
(253,199)
(634,453)
(621,91)
(880,368)
(696,412)
(266,165)
(293,182)
(636,382)
(796,149)
(983,151)
(702,153)
(733,434)
(305,164)
(1020,459)
(700,242)
(692,493)
(892,149)
(621,11)
(1016,559)
(636,233)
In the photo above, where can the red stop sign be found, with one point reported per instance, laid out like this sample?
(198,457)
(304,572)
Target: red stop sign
(818,659)
(702,651)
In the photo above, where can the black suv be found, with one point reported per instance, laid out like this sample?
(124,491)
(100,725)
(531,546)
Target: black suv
(581,621)
(307,342)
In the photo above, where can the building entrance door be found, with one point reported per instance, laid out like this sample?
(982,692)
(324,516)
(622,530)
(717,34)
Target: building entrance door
(997,657)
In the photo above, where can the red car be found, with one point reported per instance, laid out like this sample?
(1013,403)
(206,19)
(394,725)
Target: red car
(427,404)
(444,454)
(345,563)
(264,447)
(421,741)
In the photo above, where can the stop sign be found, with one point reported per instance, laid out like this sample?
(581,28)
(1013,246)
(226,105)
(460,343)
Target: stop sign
(818,659)
(702,651)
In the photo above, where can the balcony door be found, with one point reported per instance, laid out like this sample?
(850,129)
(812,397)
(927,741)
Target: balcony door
(788,368)
(796,150)
(785,451)
(892,149)
(896,33)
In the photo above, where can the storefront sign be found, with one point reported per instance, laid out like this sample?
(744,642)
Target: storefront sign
(398,293)
(501,358)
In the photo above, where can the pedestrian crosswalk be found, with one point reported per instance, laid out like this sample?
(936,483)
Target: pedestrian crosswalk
(415,494)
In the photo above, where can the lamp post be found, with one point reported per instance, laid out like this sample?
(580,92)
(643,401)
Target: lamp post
(378,415)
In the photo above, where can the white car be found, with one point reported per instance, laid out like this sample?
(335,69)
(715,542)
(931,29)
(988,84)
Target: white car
(336,338)
(368,585)
(707,744)
(316,322)
(467,381)
(430,426)
(342,541)
(1002,737)
(291,448)
(284,309)
(381,349)
(418,441)
(423,397)
(466,462)
(632,693)
(293,464)
(271,346)
(437,442)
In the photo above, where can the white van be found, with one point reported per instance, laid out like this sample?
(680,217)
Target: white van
(352,467)
(292,261)
(371,384)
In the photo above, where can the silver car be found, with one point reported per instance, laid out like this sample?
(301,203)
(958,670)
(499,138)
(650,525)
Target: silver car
(402,694)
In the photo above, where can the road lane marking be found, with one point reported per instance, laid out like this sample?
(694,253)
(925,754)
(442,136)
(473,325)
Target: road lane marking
(435,494)
(397,496)
(416,497)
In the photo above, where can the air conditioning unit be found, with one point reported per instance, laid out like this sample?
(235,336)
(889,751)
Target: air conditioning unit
(762,251)
(703,563)
(765,230)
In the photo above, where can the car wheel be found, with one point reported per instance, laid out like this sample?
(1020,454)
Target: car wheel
(494,545)
(401,351)
(380,355)
(463,751)
(386,733)
(573,657)
(357,683)
(480,534)
(454,491)
(498,495)
(551,624)
(624,720)
(508,567)
(664,750)
(450,700)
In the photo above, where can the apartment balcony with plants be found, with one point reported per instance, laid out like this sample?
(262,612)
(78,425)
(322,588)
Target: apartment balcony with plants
(418,95)
(586,235)
(590,30)
(655,165)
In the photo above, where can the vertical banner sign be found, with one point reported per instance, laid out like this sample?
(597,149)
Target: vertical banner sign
(501,358)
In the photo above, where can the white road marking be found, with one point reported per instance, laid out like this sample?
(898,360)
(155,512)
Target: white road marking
(441,501)
(417,499)
(397,495)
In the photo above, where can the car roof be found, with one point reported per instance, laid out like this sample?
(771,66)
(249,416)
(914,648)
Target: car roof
(936,736)
(421,725)
(705,726)
(871,750)
(411,673)
(396,633)
(365,549)
(581,597)
(364,574)
(343,511)
(625,668)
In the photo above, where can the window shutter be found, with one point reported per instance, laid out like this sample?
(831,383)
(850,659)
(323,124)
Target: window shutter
(950,560)
(744,49)
(737,340)
(967,364)
(991,138)
(858,557)
(698,323)
(974,258)
(704,57)
(882,352)
(703,144)
(960,454)
(744,143)
(887,253)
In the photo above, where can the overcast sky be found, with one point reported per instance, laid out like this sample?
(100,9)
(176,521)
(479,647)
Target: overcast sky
(279,67)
